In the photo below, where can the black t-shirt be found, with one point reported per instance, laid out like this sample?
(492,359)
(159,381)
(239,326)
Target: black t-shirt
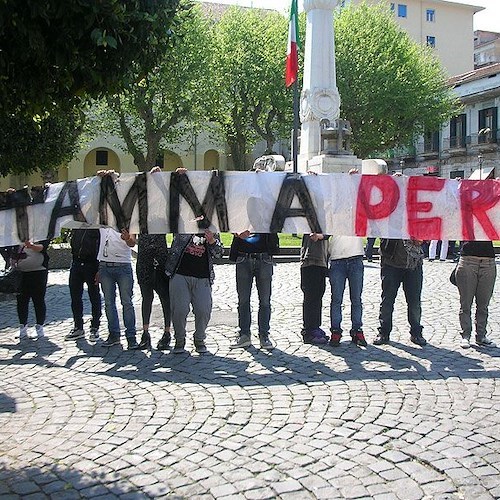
(194,260)
(478,249)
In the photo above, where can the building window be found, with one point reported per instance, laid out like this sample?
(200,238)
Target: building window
(431,41)
(430,15)
(431,142)
(101,158)
(402,10)
(458,128)
(457,174)
(488,123)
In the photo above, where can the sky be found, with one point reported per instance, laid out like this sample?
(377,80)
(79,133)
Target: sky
(488,20)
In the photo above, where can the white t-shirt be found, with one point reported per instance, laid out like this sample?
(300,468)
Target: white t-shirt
(342,247)
(112,248)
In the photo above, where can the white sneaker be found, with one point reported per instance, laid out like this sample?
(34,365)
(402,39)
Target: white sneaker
(465,343)
(39,331)
(23,332)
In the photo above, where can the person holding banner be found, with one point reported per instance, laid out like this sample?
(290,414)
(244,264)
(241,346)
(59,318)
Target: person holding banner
(150,271)
(115,270)
(253,254)
(33,262)
(476,274)
(401,263)
(84,268)
(189,266)
(346,264)
(313,271)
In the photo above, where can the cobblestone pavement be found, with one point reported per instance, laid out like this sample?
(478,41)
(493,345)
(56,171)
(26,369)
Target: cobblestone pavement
(399,421)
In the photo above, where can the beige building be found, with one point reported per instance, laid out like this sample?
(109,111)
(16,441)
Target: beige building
(444,25)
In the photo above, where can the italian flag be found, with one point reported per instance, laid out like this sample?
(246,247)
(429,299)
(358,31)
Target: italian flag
(292,57)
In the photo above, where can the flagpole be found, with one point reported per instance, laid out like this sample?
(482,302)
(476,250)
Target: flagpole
(295,141)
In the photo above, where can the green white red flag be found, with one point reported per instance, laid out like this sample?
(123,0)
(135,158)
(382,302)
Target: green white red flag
(292,56)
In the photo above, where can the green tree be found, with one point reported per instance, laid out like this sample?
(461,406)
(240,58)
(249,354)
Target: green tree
(56,54)
(392,88)
(249,95)
(168,102)
(43,142)
(55,50)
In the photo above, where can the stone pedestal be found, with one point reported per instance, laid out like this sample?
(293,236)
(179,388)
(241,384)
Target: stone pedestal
(320,99)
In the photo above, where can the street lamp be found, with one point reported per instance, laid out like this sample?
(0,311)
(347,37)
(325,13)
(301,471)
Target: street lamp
(480,163)
(402,166)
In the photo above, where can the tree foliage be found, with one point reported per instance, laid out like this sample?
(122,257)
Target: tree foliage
(39,143)
(249,96)
(55,50)
(56,54)
(165,104)
(392,88)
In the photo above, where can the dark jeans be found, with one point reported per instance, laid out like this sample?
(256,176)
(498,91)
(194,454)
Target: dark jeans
(392,278)
(33,286)
(84,273)
(313,284)
(248,268)
(160,286)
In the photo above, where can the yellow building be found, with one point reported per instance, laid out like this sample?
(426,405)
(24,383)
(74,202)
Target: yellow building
(444,25)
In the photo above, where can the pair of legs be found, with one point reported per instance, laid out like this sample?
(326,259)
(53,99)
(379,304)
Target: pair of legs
(412,280)
(248,269)
(189,291)
(111,276)
(313,285)
(33,287)
(475,280)
(161,287)
(433,250)
(349,270)
(84,273)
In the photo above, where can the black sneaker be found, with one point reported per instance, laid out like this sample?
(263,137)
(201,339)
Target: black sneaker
(419,340)
(164,342)
(132,344)
(381,339)
(265,342)
(111,341)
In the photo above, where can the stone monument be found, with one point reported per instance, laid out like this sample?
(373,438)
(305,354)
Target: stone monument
(324,138)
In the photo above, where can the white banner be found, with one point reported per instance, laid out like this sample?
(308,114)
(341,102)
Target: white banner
(342,204)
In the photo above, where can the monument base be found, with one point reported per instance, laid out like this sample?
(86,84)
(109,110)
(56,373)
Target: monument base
(328,164)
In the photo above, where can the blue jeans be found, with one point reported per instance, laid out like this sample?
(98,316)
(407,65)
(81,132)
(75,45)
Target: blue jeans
(342,270)
(412,280)
(111,275)
(248,268)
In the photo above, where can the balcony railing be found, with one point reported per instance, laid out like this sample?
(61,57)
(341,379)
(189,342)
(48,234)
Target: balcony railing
(455,142)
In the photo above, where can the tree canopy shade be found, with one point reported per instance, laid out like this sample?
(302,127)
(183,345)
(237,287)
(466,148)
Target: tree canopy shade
(54,50)
(165,104)
(249,95)
(392,88)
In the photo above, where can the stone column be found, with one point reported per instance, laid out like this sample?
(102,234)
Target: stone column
(320,97)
